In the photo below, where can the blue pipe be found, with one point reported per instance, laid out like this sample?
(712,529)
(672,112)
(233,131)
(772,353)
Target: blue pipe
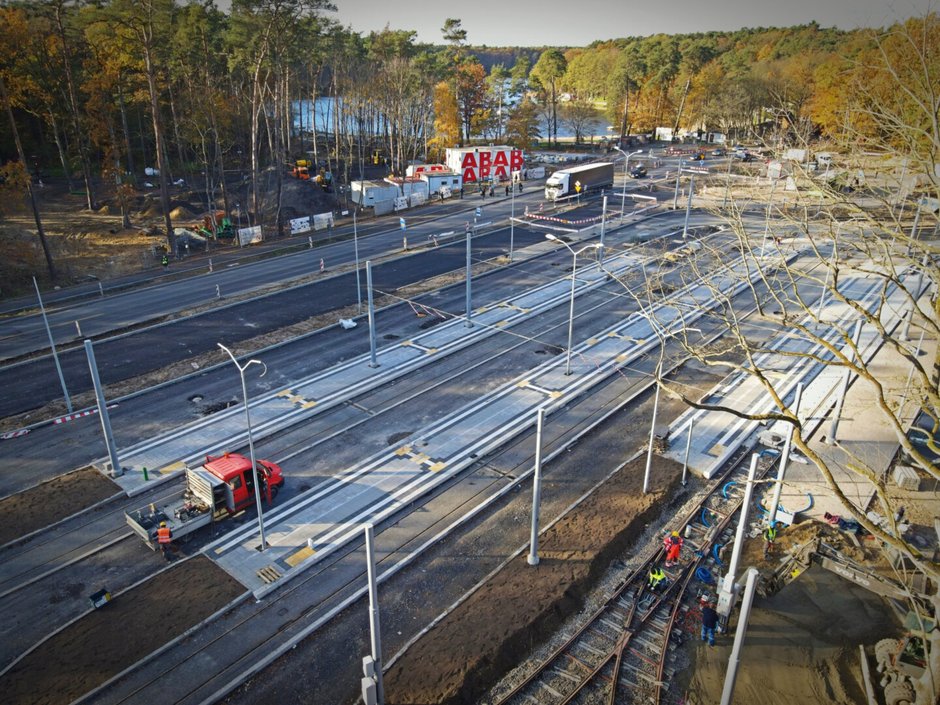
(724,490)
(715,553)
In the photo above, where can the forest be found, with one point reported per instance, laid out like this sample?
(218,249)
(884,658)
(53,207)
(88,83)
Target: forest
(96,92)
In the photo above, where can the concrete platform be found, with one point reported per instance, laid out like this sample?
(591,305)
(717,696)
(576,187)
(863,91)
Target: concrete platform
(327,517)
(865,440)
(167,456)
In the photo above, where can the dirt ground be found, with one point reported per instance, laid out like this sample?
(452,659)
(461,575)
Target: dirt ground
(801,647)
(106,641)
(94,244)
(802,644)
(51,501)
(521,605)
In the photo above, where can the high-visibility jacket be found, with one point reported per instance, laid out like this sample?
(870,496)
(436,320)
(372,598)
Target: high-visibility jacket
(164,535)
(770,533)
(657,575)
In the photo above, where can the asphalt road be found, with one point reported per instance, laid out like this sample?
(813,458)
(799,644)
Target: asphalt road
(50,450)
(235,272)
(32,383)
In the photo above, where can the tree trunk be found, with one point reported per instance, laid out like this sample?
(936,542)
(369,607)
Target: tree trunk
(63,157)
(685,92)
(176,133)
(4,96)
(127,132)
(146,44)
(73,104)
(623,119)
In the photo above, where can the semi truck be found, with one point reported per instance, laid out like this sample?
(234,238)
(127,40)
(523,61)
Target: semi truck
(576,180)
(222,487)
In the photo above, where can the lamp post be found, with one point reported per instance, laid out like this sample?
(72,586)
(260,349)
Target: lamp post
(574,271)
(626,165)
(512,214)
(251,445)
(356,250)
(662,335)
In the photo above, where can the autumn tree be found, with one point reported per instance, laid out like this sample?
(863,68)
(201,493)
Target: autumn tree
(522,127)
(857,279)
(446,119)
(13,26)
(547,72)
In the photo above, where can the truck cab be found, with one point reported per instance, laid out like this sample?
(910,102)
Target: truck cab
(234,471)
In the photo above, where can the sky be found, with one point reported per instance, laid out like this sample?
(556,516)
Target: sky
(580,22)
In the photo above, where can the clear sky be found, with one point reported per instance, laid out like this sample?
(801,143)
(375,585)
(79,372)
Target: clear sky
(579,22)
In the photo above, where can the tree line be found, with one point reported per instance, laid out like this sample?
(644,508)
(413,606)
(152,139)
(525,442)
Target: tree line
(96,91)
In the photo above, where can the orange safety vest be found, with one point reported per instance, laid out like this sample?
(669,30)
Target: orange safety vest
(164,535)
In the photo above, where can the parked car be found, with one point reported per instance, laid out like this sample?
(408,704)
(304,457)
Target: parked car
(638,172)
(718,152)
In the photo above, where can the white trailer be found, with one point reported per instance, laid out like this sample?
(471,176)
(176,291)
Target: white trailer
(367,193)
(436,180)
(579,179)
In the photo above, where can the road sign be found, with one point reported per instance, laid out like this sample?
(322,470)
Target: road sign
(479,212)
(401,223)
(577,186)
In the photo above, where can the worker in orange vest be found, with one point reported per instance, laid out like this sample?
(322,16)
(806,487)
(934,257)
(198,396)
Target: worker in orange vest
(165,538)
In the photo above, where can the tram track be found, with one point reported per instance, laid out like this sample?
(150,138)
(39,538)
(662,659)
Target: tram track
(621,652)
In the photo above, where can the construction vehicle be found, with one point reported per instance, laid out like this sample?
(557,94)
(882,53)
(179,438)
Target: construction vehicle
(222,230)
(301,169)
(576,180)
(899,661)
(221,488)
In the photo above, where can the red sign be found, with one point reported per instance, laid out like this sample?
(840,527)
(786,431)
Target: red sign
(483,165)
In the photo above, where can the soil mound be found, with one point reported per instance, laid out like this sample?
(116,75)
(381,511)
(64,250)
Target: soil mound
(522,605)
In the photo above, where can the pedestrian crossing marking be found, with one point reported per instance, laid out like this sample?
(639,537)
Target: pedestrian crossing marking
(403,451)
(172,467)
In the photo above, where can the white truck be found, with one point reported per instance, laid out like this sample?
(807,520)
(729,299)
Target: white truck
(576,180)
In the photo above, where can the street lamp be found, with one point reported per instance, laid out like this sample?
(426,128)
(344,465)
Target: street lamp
(626,165)
(512,214)
(251,446)
(662,335)
(574,270)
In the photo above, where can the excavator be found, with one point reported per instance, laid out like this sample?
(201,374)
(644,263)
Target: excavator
(900,662)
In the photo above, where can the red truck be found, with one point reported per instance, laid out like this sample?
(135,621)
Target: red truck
(222,487)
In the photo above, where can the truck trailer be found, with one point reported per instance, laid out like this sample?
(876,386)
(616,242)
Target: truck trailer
(222,487)
(579,179)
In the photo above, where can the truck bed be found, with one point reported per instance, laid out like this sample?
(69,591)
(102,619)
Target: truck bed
(181,513)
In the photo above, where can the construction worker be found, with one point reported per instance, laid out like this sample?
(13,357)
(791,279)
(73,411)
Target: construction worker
(709,623)
(165,261)
(165,538)
(657,577)
(770,535)
(673,545)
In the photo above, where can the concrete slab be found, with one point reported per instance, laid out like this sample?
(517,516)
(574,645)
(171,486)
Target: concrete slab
(322,520)
(717,434)
(167,456)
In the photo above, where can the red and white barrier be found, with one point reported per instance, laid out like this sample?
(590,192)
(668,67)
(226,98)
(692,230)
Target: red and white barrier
(79,414)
